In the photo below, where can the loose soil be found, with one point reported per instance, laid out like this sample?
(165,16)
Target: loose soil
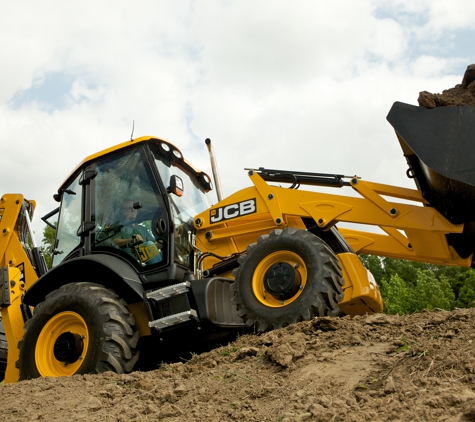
(460,94)
(417,367)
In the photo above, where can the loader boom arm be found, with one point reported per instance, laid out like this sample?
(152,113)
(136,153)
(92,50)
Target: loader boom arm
(413,231)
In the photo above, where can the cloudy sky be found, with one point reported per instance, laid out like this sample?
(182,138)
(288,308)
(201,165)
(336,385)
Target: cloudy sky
(300,85)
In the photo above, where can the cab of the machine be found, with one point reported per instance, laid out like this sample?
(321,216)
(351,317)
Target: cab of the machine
(135,202)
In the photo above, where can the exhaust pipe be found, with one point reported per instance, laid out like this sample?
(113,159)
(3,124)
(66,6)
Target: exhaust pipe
(214,167)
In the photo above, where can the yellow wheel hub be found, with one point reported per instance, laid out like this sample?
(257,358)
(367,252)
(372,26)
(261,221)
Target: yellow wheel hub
(279,279)
(62,345)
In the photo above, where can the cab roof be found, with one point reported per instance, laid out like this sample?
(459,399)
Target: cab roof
(119,147)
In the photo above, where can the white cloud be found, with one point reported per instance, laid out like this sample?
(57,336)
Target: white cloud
(261,43)
(388,40)
(432,23)
(454,14)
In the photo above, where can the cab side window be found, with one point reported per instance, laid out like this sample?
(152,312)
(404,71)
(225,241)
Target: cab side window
(69,221)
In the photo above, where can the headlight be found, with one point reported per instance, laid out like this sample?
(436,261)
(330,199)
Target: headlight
(371,278)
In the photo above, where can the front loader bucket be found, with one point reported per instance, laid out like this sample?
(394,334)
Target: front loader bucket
(439,145)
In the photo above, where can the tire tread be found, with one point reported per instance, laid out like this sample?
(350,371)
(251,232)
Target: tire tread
(114,326)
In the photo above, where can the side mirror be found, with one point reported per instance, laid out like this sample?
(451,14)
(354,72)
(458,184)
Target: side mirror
(176,185)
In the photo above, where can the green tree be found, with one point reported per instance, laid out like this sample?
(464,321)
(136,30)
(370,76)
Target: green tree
(396,295)
(408,286)
(466,294)
(48,244)
(407,270)
(431,293)
(456,276)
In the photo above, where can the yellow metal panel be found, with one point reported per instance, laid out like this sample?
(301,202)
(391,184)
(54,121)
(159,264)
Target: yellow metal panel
(360,294)
(433,248)
(230,230)
(395,191)
(10,205)
(12,253)
(13,322)
(268,194)
(359,241)
(430,244)
(325,213)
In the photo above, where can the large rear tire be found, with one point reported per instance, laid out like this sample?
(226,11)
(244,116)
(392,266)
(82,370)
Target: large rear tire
(80,328)
(288,276)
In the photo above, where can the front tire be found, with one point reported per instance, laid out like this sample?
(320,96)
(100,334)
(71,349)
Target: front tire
(288,276)
(80,328)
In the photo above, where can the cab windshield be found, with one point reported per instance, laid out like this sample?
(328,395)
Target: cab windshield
(183,208)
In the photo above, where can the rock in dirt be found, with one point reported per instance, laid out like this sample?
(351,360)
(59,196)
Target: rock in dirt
(287,351)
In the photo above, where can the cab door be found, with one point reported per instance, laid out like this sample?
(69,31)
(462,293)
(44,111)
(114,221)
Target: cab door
(129,211)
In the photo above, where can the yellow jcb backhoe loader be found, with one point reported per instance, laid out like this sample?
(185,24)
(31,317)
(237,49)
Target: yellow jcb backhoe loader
(142,261)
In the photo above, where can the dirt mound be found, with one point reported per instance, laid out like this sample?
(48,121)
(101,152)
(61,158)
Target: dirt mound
(373,368)
(461,94)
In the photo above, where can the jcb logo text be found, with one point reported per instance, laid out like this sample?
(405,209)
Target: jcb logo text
(233,210)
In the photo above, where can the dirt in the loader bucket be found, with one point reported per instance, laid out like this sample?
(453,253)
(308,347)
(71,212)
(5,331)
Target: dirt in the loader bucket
(418,367)
(460,94)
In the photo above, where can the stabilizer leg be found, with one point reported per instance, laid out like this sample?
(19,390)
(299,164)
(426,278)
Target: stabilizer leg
(12,288)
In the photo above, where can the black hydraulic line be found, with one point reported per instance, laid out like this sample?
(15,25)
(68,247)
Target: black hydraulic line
(39,262)
(222,267)
(25,312)
(302,178)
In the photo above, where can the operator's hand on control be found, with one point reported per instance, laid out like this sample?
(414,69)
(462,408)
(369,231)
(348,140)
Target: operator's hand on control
(134,239)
